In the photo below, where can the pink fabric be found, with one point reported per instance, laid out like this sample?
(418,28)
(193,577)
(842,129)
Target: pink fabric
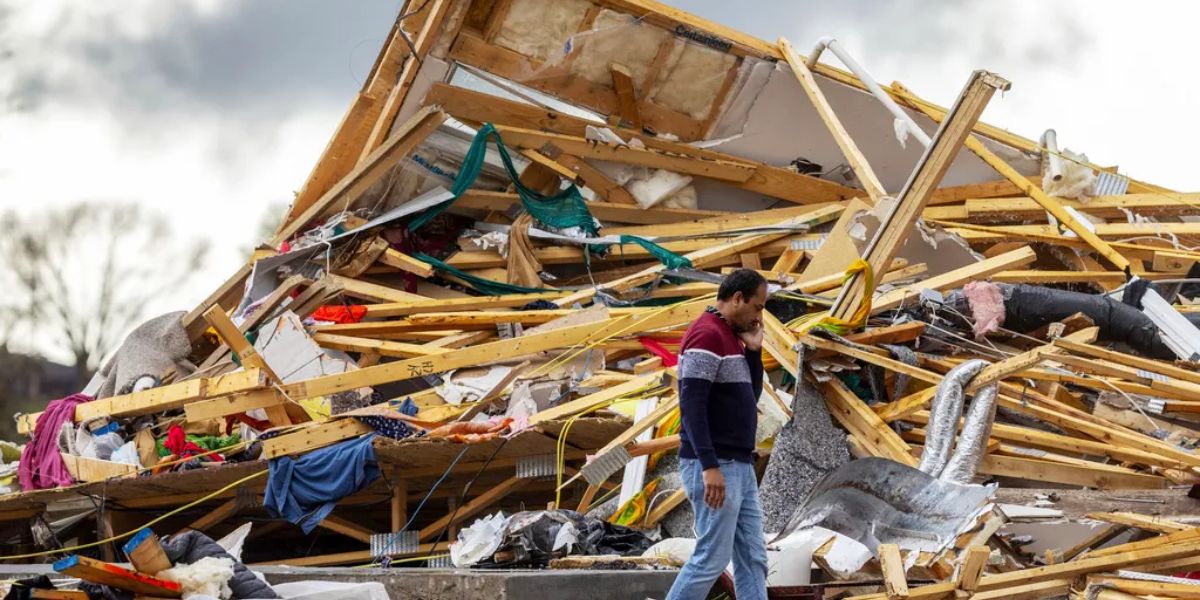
(41,465)
(987,306)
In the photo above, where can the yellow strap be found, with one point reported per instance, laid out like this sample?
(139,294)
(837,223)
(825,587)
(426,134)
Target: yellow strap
(828,322)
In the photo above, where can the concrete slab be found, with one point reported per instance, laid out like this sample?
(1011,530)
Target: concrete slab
(463,584)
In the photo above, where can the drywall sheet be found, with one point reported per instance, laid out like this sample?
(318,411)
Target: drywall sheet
(782,125)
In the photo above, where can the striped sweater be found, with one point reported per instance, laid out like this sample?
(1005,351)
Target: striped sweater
(719,385)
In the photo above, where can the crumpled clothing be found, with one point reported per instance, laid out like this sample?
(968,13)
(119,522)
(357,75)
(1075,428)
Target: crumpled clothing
(180,446)
(987,306)
(341,314)
(304,490)
(42,465)
(523,265)
(395,429)
(205,442)
(532,538)
(470,432)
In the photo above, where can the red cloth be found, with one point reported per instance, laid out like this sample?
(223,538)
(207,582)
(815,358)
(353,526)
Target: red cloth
(180,446)
(350,313)
(42,466)
(669,359)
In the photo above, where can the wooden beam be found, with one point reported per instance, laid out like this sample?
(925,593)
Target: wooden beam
(250,358)
(1051,205)
(1143,522)
(605,211)
(399,92)
(224,511)
(858,162)
(400,309)
(167,397)
(895,582)
(857,418)
(369,171)
(756,177)
(406,263)
(1001,582)
(383,348)
(973,563)
(347,528)
(627,102)
(706,256)
(471,508)
(953,279)
(373,292)
(896,226)
(317,435)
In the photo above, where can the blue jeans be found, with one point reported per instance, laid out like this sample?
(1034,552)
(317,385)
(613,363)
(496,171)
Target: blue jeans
(733,531)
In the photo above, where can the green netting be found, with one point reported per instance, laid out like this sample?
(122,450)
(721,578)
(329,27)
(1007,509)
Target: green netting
(666,257)
(562,210)
(487,286)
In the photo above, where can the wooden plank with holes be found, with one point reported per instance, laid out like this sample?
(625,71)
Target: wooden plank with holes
(313,437)
(167,397)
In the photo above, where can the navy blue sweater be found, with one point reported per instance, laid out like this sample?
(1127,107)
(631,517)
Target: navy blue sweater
(719,385)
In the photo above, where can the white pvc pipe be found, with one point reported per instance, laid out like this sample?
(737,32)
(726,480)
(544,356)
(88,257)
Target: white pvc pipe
(1054,161)
(872,86)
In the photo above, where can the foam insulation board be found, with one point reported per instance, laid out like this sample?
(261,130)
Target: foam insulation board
(782,125)
(691,79)
(616,38)
(540,29)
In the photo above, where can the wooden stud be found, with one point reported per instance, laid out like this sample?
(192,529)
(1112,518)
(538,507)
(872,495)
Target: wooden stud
(237,342)
(313,437)
(627,102)
(399,503)
(380,162)
(347,528)
(858,162)
(896,226)
(1143,522)
(895,582)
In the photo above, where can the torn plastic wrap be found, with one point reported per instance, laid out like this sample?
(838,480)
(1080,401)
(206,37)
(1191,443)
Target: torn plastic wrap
(533,538)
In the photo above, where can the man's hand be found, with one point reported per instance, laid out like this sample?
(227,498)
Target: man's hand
(753,338)
(714,487)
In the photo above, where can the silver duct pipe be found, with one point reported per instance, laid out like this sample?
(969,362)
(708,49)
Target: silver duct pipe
(972,442)
(944,414)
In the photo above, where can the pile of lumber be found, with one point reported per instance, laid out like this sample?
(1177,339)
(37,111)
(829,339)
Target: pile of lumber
(412,266)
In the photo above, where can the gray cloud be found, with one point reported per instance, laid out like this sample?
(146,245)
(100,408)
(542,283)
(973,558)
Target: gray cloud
(976,32)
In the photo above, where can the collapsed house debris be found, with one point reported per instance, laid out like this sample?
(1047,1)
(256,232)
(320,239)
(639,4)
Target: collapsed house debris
(468,323)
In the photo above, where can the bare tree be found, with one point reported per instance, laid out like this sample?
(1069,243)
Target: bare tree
(82,275)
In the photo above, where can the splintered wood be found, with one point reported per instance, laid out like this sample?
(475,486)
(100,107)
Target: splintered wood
(504,313)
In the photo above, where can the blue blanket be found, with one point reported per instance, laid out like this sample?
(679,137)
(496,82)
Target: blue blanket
(304,490)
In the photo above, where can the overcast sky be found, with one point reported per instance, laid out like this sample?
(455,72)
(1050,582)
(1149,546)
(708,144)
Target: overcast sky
(212,110)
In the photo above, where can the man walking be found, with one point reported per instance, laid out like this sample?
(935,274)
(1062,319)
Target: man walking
(720,379)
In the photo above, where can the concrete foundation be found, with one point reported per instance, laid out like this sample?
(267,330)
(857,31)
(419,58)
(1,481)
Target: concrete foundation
(463,584)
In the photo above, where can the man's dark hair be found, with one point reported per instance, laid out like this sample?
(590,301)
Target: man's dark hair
(746,281)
